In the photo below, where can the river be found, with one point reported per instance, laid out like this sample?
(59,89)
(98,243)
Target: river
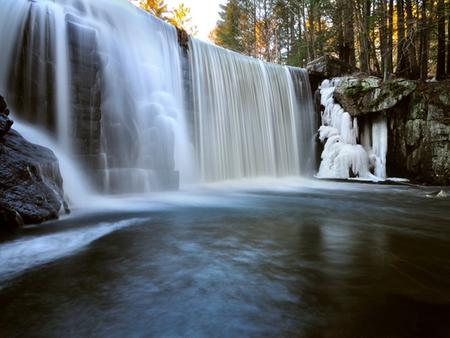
(305,259)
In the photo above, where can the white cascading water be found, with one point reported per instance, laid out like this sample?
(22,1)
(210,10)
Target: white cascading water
(246,116)
(348,152)
(140,81)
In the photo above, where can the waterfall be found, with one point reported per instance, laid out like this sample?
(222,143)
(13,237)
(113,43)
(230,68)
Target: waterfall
(247,118)
(349,152)
(104,78)
(139,113)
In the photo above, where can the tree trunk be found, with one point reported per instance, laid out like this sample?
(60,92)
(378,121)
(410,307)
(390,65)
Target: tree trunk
(402,67)
(383,38)
(363,16)
(390,48)
(411,39)
(440,68)
(448,40)
(349,34)
(424,43)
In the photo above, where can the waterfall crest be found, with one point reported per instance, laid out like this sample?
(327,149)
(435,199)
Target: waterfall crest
(109,82)
(246,116)
(104,78)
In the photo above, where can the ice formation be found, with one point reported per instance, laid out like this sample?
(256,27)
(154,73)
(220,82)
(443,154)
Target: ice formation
(347,152)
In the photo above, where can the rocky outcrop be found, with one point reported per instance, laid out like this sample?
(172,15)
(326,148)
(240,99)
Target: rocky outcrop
(30,180)
(418,117)
(5,122)
(324,67)
(419,135)
(368,94)
(329,66)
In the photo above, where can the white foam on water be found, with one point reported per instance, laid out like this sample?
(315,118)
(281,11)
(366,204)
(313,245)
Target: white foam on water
(26,253)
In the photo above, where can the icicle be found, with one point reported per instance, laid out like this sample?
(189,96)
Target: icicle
(343,157)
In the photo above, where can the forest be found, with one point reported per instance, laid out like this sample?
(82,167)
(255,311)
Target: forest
(407,38)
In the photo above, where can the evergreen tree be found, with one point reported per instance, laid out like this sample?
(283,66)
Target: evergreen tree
(370,35)
(227,32)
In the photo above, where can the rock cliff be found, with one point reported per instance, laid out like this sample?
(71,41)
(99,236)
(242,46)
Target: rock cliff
(30,180)
(418,117)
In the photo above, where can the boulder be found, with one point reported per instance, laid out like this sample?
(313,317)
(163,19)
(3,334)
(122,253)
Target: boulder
(368,94)
(5,124)
(439,193)
(419,135)
(30,183)
(5,121)
(329,66)
(2,104)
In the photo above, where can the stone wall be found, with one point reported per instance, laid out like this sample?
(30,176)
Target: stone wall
(188,103)
(419,135)
(418,117)
(85,116)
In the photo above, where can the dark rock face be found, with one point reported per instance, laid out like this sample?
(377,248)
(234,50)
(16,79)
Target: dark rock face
(329,66)
(85,95)
(30,183)
(418,123)
(5,121)
(419,135)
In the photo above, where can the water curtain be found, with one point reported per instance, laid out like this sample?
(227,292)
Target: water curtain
(139,113)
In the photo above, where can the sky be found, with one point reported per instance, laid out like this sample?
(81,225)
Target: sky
(205,14)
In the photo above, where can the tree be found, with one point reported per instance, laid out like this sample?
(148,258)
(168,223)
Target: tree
(372,35)
(179,17)
(411,27)
(383,23)
(156,7)
(440,68)
(424,42)
(182,19)
(402,57)
(227,32)
(448,39)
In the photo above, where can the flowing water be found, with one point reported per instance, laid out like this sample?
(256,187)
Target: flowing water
(249,121)
(255,260)
(246,118)
(139,77)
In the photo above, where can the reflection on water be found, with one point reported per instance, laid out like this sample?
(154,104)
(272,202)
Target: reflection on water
(346,260)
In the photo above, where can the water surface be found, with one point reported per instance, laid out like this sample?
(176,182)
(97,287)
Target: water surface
(340,260)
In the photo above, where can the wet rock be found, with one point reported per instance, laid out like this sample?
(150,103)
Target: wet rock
(2,104)
(5,124)
(329,66)
(419,136)
(5,121)
(368,94)
(439,193)
(9,219)
(30,182)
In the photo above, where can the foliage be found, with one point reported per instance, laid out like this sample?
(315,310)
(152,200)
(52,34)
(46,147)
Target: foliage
(410,38)
(179,16)
(182,19)
(156,7)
